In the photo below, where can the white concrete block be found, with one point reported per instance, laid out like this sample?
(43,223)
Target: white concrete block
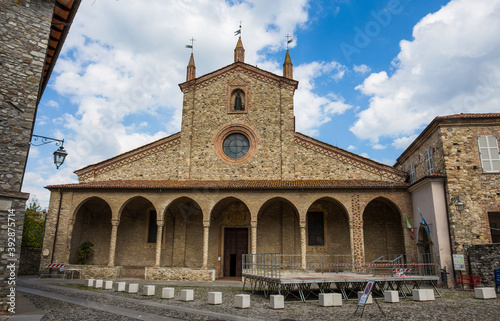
(187,295)
(120,286)
(214,297)
(242,301)
(108,285)
(391,296)
(330,299)
(89,283)
(422,294)
(133,288)
(430,295)
(277,301)
(369,300)
(167,293)
(485,293)
(98,284)
(148,290)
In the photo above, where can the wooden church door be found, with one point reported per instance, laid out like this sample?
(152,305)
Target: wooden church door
(235,245)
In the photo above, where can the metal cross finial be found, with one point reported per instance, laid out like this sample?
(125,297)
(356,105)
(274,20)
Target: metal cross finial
(191,45)
(238,32)
(288,40)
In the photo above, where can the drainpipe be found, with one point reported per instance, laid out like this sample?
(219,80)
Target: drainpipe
(446,195)
(57,226)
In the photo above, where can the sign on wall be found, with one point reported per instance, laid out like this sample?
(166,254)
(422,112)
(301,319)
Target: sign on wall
(459,262)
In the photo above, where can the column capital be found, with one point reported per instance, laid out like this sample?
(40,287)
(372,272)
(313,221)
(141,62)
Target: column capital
(115,222)
(206,223)
(160,223)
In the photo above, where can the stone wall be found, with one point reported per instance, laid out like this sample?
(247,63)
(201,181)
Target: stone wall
(29,263)
(484,259)
(98,271)
(24,30)
(179,274)
(465,178)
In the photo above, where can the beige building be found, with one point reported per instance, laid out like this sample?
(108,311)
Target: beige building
(237,179)
(454,168)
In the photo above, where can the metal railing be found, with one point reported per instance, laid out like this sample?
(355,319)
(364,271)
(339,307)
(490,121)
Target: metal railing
(275,265)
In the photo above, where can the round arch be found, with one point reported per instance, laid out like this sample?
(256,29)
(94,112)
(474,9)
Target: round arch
(278,227)
(382,230)
(92,223)
(229,236)
(136,237)
(328,228)
(183,234)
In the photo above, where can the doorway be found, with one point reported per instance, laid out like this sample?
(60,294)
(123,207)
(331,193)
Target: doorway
(235,245)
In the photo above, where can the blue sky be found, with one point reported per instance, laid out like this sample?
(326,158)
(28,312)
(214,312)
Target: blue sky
(372,74)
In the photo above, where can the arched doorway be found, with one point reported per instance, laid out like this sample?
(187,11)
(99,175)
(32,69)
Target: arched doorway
(92,224)
(229,236)
(425,254)
(382,230)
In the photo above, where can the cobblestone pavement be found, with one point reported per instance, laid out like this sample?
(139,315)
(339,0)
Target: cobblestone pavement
(453,305)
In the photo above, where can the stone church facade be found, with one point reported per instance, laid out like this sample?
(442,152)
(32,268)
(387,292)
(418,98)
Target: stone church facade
(236,179)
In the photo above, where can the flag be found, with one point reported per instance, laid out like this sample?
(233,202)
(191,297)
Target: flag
(290,41)
(408,225)
(189,46)
(424,223)
(237,32)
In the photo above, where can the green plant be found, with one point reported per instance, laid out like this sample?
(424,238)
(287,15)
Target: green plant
(85,252)
(34,222)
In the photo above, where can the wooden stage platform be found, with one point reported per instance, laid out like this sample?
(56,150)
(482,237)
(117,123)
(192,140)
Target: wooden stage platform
(307,286)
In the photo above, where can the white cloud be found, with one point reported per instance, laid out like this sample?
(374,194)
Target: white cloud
(362,69)
(403,142)
(120,69)
(352,147)
(53,104)
(311,109)
(378,146)
(452,65)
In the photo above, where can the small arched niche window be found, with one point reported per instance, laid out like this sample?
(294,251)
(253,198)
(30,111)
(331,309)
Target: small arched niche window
(238,100)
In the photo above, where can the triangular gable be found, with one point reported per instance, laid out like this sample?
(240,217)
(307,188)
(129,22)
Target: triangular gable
(128,157)
(238,67)
(363,163)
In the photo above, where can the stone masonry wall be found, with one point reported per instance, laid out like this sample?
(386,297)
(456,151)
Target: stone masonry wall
(478,190)
(417,157)
(30,261)
(484,259)
(24,30)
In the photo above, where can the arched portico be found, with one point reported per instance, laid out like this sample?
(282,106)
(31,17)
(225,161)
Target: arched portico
(136,234)
(92,223)
(229,236)
(278,228)
(183,228)
(382,230)
(328,228)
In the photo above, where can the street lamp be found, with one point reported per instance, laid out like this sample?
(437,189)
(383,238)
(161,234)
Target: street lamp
(458,203)
(59,155)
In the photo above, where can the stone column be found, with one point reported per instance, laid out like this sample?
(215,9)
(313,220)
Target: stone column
(356,229)
(112,245)
(303,243)
(206,233)
(253,248)
(159,234)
